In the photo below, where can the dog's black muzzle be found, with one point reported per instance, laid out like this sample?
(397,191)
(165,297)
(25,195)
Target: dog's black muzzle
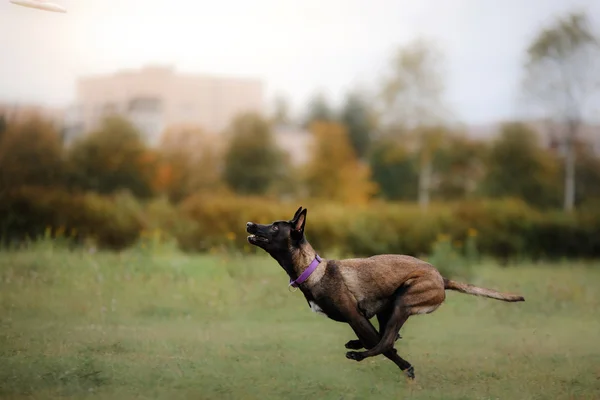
(255,236)
(251,227)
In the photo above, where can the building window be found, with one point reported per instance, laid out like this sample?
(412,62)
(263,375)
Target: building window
(145,104)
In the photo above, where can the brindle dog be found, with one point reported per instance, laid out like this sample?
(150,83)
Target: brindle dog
(390,287)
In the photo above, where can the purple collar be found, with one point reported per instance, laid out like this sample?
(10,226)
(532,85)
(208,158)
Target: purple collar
(304,276)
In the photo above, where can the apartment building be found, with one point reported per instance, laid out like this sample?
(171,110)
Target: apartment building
(156,97)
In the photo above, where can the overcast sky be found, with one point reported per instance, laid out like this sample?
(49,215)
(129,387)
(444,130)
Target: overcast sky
(296,47)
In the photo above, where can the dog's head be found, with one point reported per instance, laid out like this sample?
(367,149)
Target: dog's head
(280,236)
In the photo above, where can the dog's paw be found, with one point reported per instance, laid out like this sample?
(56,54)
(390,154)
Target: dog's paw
(354,345)
(410,372)
(353,355)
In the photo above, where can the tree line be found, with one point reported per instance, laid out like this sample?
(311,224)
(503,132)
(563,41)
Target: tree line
(408,116)
(398,144)
(250,162)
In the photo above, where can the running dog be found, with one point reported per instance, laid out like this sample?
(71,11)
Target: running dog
(390,287)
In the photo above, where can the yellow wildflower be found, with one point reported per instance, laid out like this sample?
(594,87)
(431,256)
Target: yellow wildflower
(60,231)
(443,237)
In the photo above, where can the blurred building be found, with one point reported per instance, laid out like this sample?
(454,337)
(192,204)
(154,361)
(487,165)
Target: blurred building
(296,142)
(156,97)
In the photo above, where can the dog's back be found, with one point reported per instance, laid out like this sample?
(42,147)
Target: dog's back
(374,280)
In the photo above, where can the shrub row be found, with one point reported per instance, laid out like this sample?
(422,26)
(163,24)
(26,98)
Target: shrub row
(29,212)
(504,229)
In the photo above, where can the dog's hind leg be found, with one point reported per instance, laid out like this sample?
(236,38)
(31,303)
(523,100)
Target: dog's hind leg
(400,362)
(382,319)
(392,354)
(368,334)
(418,297)
(399,316)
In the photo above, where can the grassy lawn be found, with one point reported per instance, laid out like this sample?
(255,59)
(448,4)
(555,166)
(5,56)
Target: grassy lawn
(122,326)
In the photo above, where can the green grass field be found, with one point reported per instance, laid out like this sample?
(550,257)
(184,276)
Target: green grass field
(124,326)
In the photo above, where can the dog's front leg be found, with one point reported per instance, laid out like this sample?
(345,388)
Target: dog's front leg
(356,344)
(368,335)
(365,331)
(388,335)
(382,318)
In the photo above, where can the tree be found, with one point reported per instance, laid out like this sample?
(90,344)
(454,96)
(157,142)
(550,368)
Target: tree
(412,100)
(113,158)
(459,166)
(588,175)
(319,110)
(3,126)
(253,161)
(334,172)
(394,169)
(359,120)
(31,153)
(281,114)
(189,162)
(561,74)
(518,167)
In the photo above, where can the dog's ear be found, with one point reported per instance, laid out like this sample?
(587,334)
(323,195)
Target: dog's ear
(296,214)
(298,224)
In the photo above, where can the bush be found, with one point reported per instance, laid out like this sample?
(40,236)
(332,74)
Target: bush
(218,221)
(111,222)
(505,229)
(503,226)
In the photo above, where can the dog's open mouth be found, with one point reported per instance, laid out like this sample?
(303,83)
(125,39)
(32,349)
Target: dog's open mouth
(257,239)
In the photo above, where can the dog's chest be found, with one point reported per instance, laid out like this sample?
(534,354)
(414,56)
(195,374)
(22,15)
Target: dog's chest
(316,308)
(370,307)
(325,308)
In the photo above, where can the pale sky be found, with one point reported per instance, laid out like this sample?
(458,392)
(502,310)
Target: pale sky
(295,47)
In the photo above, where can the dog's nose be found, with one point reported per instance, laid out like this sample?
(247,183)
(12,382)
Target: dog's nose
(250,226)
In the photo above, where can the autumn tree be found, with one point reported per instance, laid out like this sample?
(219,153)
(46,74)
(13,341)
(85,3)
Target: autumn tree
(358,117)
(253,161)
(190,162)
(319,109)
(333,171)
(31,153)
(561,77)
(517,166)
(113,158)
(412,101)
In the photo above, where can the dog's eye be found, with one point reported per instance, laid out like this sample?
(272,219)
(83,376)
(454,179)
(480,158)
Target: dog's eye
(275,228)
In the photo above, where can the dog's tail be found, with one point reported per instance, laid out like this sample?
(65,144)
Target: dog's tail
(477,291)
